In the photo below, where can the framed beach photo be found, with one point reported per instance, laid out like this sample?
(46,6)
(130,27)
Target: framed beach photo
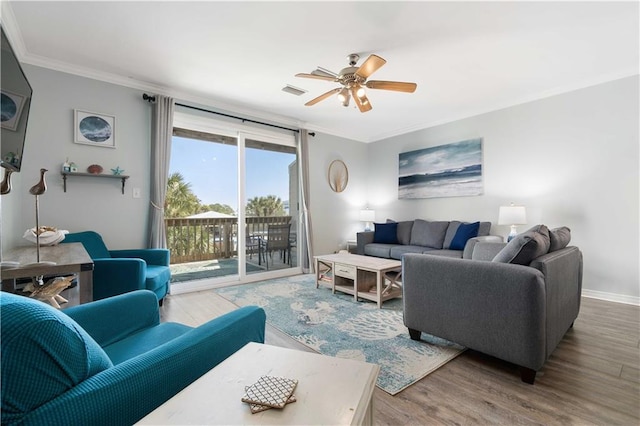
(94,129)
(11,108)
(452,170)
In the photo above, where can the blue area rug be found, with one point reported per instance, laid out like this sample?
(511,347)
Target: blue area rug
(335,325)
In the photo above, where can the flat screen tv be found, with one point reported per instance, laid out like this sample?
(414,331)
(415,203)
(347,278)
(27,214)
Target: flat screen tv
(15,103)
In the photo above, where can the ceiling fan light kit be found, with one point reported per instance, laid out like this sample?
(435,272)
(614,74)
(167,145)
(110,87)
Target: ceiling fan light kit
(354,80)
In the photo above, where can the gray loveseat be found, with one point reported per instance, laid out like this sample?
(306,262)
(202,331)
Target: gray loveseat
(513,301)
(421,236)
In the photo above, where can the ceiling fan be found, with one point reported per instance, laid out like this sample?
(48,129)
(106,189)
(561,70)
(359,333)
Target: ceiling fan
(354,81)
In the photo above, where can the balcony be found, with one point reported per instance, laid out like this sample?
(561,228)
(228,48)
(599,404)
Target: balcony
(207,247)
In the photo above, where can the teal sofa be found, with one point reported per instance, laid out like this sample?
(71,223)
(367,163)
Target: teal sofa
(119,271)
(108,362)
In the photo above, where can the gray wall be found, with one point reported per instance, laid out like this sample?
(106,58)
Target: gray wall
(89,203)
(334,215)
(571,159)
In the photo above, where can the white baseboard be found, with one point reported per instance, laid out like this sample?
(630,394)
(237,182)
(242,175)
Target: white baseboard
(611,297)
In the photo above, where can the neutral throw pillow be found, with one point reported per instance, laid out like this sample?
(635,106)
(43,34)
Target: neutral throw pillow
(525,247)
(428,234)
(559,238)
(464,232)
(385,233)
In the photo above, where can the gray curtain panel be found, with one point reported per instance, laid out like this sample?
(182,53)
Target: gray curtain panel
(161,134)
(305,217)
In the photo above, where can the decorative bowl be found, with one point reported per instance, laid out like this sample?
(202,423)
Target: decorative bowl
(95,169)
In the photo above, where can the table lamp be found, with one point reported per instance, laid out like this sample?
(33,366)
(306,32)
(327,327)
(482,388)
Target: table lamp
(368,216)
(512,215)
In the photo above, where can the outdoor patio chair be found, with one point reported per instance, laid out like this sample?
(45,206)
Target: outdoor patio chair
(277,240)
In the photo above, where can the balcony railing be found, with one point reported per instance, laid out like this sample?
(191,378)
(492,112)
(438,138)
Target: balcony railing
(197,239)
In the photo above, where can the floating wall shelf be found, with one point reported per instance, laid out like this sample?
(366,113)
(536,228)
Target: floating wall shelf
(123,178)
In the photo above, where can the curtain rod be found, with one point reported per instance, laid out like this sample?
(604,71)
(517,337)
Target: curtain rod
(152,99)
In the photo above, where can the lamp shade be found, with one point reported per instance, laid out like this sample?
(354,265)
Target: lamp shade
(512,215)
(367,215)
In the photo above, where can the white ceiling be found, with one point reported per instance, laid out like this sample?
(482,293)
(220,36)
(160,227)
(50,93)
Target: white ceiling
(466,57)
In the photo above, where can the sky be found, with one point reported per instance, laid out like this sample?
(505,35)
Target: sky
(212,170)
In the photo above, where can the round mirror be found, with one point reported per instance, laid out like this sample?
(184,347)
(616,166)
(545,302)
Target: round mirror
(338,176)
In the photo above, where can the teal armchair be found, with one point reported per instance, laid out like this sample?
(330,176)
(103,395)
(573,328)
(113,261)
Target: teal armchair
(120,271)
(109,362)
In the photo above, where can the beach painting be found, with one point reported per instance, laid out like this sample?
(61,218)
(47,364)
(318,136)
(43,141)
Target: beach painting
(94,129)
(452,170)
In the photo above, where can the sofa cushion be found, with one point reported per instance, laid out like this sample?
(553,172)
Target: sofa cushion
(385,233)
(484,229)
(378,250)
(404,231)
(525,247)
(44,354)
(399,250)
(464,232)
(559,238)
(428,234)
(451,232)
(456,254)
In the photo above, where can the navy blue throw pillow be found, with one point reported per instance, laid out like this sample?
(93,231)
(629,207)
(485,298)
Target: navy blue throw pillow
(385,233)
(464,232)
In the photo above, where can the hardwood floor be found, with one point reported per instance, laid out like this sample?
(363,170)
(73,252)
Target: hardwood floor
(592,377)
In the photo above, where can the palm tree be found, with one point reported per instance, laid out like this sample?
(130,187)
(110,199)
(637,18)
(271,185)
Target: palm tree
(265,206)
(180,200)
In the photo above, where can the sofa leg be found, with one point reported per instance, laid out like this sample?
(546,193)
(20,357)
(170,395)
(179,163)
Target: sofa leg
(527,375)
(414,334)
(160,302)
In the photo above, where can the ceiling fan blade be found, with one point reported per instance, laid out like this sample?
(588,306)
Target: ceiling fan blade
(371,65)
(322,97)
(397,86)
(316,76)
(326,71)
(363,103)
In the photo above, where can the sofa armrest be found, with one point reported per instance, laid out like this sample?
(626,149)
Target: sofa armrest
(495,308)
(128,391)
(116,276)
(562,270)
(112,319)
(472,242)
(158,257)
(362,239)
(486,250)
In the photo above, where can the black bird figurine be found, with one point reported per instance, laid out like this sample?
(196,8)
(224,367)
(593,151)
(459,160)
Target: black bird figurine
(40,187)
(5,186)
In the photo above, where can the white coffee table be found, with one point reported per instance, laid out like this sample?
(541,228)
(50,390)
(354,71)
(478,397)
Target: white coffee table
(367,277)
(330,391)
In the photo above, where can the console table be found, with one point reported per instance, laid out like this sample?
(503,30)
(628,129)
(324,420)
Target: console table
(69,259)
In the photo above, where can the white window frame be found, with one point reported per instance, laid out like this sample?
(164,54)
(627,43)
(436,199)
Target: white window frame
(241,132)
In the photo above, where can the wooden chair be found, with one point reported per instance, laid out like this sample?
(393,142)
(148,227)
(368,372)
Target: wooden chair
(277,239)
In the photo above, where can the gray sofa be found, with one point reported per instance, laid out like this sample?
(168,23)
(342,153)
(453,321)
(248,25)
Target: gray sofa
(421,236)
(512,301)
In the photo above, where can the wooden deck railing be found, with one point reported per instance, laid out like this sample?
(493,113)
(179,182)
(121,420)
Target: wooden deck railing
(192,240)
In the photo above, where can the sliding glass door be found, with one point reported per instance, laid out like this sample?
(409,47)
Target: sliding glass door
(271,210)
(232,204)
(201,206)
